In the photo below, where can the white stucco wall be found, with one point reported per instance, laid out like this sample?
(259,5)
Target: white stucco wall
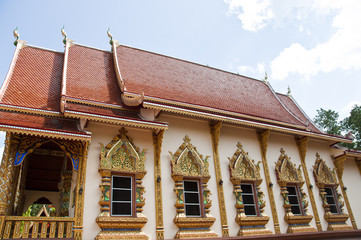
(230,136)
(352,181)
(198,131)
(104,133)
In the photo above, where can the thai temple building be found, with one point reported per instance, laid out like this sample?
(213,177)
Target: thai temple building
(130,144)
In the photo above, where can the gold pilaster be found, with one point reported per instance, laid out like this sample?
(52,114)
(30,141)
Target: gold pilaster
(215,129)
(339,164)
(80,188)
(302,150)
(358,163)
(263,143)
(157,143)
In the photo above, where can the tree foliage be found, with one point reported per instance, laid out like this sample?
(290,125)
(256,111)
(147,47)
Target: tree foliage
(328,121)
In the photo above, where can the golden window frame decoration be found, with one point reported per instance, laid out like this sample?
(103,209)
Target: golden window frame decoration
(325,177)
(244,170)
(187,163)
(288,174)
(121,157)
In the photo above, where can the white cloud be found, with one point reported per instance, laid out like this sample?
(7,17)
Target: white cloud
(345,112)
(341,51)
(255,72)
(254,14)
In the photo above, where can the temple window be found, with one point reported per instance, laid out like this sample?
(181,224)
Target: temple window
(122,196)
(190,174)
(290,180)
(332,203)
(121,201)
(246,179)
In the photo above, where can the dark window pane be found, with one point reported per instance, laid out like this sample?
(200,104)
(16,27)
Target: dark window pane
(190,186)
(247,199)
(333,209)
(295,210)
(122,182)
(330,200)
(192,210)
(249,210)
(124,209)
(293,199)
(246,188)
(122,195)
(291,190)
(191,198)
(328,191)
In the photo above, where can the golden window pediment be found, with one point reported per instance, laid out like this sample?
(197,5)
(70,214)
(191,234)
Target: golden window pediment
(286,171)
(322,173)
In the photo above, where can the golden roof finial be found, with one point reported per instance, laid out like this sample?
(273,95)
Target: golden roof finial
(288,91)
(16,35)
(64,35)
(265,77)
(110,37)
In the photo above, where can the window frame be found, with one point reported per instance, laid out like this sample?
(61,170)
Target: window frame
(255,198)
(298,195)
(335,199)
(133,190)
(200,197)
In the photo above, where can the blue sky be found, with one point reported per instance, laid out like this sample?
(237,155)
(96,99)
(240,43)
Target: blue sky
(312,46)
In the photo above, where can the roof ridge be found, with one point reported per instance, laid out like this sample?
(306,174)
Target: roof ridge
(86,46)
(42,48)
(187,61)
(289,111)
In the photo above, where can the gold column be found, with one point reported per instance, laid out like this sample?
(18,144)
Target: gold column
(263,143)
(358,163)
(80,189)
(302,150)
(339,164)
(215,129)
(157,143)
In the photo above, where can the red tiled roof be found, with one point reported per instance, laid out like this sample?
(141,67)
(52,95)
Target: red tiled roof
(91,76)
(43,125)
(295,110)
(173,79)
(36,80)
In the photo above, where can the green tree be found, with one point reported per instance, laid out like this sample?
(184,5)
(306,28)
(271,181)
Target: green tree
(353,123)
(327,120)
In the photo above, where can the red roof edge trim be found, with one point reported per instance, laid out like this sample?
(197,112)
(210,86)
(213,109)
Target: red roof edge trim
(98,104)
(243,122)
(46,133)
(215,110)
(14,108)
(274,93)
(5,84)
(304,114)
(123,120)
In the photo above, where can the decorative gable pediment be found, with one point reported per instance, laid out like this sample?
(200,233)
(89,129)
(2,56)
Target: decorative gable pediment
(121,155)
(242,167)
(286,171)
(186,161)
(323,174)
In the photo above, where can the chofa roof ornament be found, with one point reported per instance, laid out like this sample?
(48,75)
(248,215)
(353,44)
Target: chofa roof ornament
(16,35)
(64,35)
(289,91)
(129,99)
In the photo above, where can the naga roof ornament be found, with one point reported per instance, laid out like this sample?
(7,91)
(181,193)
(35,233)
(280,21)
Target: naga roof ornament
(64,35)
(16,35)
(289,91)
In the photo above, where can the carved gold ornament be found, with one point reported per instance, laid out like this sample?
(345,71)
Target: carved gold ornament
(187,162)
(288,174)
(326,178)
(244,170)
(123,157)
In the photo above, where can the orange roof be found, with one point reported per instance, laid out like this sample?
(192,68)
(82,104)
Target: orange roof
(85,80)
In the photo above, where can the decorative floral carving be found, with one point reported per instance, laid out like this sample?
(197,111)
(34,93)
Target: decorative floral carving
(325,177)
(244,169)
(187,162)
(121,155)
(287,173)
